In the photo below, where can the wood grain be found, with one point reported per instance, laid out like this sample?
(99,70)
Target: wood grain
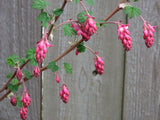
(19,31)
(91,97)
(142,78)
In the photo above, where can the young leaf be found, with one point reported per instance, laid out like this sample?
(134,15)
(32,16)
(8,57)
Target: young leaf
(13,87)
(15,81)
(101,21)
(19,103)
(39,4)
(81,48)
(9,75)
(52,65)
(68,30)
(90,2)
(98,25)
(44,18)
(136,0)
(30,54)
(27,74)
(76,1)
(82,16)
(132,11)
(68,68)
(11,60)
(57,12)
(22,60)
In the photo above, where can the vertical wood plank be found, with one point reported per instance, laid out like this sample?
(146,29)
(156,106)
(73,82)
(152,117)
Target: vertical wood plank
(91,97)
(142,78)
(19,31)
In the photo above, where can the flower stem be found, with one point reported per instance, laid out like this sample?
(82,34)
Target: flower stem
(84,8)
(68,21)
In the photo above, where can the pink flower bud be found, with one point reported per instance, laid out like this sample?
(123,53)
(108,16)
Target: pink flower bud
(23,113)
(19,74)
(57,78)
(25,99)
(36,71)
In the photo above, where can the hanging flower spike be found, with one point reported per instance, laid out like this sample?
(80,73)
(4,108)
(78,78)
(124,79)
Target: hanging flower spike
(25,99)
(99,64)
(13,100)
(36,71)
(23,113)
(19,74)
(148,34)
(64,93)
(124,36)
(85,29)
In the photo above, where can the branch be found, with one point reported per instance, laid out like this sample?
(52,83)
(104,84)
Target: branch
(68,50)
(13,75)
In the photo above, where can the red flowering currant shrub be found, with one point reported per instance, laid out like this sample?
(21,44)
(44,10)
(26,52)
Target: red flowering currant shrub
(85,26)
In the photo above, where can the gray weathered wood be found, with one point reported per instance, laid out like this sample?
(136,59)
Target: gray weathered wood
(142,78)
(91,98)
(19,31)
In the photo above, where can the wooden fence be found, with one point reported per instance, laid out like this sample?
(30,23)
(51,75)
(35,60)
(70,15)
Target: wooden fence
(129,89)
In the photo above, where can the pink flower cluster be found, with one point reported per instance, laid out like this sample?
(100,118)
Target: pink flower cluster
(26,101)
(19,74)
(148,34)
(13,100)
(41,49)
(124,36)
(64,93)
(85,29)
(99,65)
(23,113)
(36,71)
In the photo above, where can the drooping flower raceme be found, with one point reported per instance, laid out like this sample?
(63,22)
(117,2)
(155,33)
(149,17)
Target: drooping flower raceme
(64,93)
(148,34)
(85,29)
(19,74)
(13,100)
(36,71)
(23,113)
(124,36)
(25,99)
(99,64)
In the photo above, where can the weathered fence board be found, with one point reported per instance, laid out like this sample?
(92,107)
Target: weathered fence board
(142,78)
(91,98)
(19,31)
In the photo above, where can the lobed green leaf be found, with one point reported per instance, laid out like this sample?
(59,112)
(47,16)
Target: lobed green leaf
(12,60)
(44,18)
(132,11)
(68,30)
(76,1)
(68,68)
(90,2)
(39,4)
(52,65)
(57,12)
(27,74)
(19,103)
(81,48)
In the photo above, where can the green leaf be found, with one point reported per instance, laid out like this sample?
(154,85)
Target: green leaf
(136,0)
(39,4)
(15,81)
(76,1)
(101,21)
(13,87)
(68,30)
(9,75)
(52,65)
(57,12)
(27,74)
(44,18)
(30,54)
(98,25)
(132,11)
(90,2)
(81,48)
(11,60)
(22,60)
(68,68)
(19,103)
(82,16)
